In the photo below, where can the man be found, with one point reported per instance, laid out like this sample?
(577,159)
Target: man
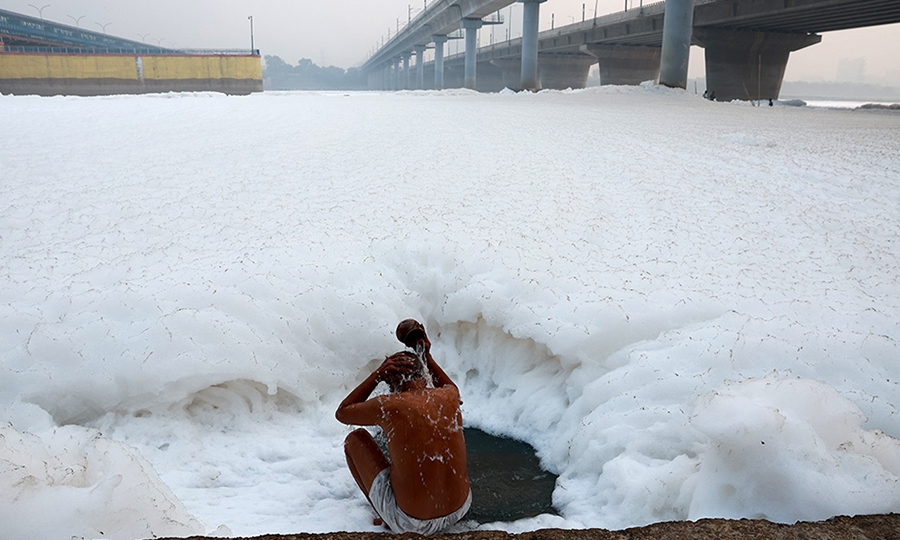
(423,486)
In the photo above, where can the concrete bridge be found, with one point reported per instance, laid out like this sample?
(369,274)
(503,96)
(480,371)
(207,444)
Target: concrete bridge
(747,42)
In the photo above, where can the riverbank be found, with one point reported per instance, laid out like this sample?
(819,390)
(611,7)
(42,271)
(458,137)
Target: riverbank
(875,527)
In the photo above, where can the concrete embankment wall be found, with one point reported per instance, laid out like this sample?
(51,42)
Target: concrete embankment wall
(105,74)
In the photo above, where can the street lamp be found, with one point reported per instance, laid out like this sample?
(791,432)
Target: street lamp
(144,37)
(103,26)
(252,47)
(76,20)
(40,10)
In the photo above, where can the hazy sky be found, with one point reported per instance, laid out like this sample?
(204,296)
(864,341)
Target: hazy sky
(344,32)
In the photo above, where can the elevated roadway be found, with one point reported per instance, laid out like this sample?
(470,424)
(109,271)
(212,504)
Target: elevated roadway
(442,17)
(747,44)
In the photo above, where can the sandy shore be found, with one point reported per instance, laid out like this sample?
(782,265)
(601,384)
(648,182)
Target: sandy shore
(877,527)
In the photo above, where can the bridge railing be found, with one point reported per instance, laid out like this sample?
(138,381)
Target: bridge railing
(130,51)
(46,32)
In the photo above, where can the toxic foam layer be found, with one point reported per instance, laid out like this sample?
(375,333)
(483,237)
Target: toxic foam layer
(90,485)
(646,309)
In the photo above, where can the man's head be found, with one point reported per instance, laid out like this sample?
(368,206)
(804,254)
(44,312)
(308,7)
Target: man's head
(408,372)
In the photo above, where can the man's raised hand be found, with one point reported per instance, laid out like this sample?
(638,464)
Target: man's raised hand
(397,365)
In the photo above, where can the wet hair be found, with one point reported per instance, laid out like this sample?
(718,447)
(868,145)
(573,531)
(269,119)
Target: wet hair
(421,372)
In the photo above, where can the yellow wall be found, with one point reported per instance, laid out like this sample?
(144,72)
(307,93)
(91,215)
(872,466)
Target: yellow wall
(49,66)
(71,66)
(202,67)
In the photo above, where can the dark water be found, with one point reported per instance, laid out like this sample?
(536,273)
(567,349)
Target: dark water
(507,480)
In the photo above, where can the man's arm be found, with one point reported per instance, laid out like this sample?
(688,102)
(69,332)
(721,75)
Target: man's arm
(356,409)
(437,374)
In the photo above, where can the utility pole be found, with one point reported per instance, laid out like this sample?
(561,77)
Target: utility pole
(252,47)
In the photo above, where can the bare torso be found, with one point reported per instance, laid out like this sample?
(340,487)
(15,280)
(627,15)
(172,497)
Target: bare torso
(427,450)
(423,427)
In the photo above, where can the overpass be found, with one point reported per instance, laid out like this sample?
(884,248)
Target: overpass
(435,23)
(747,44)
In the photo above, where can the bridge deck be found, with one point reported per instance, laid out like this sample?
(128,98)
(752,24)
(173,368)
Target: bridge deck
(643,27)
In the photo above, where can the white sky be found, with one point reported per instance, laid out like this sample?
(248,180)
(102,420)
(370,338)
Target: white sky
(344,32)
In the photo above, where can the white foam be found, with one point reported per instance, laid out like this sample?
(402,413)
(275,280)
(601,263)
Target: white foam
(635,280)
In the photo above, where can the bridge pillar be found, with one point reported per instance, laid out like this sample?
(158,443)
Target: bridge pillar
(625,64)
(404,78)
(561,71)
(439,40)
(530,20)
(678,24)
(748,65)
(429,76)
(395,74)
(471,27)
(420,67)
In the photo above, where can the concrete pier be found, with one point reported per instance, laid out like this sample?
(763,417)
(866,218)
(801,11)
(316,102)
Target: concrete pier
(626,64)
(530,23)
(420,67)
(439,40)
(676,43)
(404,78)
(471,26)
(748,65)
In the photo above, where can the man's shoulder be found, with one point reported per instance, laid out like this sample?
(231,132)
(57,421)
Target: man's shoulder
(449,389)
(446,392)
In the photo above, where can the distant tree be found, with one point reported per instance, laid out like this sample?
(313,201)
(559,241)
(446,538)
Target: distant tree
(275,64)
(306,75)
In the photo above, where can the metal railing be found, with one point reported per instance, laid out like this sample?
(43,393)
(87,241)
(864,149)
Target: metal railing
(52,37)
(128,51)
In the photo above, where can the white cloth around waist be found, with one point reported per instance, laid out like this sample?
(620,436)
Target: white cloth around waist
(381,495)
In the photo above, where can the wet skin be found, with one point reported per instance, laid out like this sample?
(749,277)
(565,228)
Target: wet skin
(423,428)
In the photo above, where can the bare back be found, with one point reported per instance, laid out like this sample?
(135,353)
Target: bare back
(427,450)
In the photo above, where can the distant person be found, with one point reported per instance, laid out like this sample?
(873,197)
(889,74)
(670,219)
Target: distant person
(771,104)
(422,486)
(706,94)
(712,95)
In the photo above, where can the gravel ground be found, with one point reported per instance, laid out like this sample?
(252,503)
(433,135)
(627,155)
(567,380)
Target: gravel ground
(876,527)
